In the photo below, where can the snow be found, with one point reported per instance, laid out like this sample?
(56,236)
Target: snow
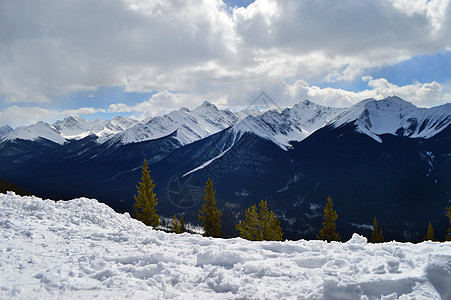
(391,115)
(34,132)
(395,116)
(189,126)
(75,127)
(83,249)
(4,130)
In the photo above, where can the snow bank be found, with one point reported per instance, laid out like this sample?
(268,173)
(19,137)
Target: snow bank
(83,249)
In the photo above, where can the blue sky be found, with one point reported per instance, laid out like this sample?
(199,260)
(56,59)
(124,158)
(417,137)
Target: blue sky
(143,58)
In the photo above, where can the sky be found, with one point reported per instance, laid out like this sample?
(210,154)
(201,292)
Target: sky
(137,58)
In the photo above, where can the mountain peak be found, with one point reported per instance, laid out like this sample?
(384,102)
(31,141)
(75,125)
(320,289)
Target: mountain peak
(396,101)
(209,105)
(4,130)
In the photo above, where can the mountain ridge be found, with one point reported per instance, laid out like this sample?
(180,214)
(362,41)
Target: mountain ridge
(391,115)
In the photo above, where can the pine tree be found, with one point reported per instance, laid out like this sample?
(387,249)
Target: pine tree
(430,234)
(144,208)
(182,225)
(328,231)
(210,215)
(381,237)
(175,225)
(448,214)
(260,225)
(376,237)
(250,228)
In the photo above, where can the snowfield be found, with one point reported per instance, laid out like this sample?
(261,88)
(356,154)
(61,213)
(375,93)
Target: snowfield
(83,249)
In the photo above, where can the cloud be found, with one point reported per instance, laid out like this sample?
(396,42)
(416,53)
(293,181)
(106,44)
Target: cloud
(420,94)
(16,115)
(202,48)
(284,95)
(165,102)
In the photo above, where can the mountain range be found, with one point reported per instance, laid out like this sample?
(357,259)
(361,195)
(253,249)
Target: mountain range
(385,158)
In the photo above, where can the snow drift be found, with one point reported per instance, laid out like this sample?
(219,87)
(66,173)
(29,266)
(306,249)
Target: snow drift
(83,249)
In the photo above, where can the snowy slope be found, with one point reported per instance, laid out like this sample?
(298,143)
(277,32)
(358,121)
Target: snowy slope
(75,127)
(292,124)
(35,131)
(111,128)
(191,126)
(395,116)
(4,130)
(83,249)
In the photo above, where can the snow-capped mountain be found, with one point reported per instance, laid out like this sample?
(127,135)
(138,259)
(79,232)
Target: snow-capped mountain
(34,132)
(75,127)
(374,153)
(4,130)
(391,115)
(191,126)
(70,128)
(292,124)
(395,116)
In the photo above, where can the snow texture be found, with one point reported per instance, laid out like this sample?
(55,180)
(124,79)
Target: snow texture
(83,249)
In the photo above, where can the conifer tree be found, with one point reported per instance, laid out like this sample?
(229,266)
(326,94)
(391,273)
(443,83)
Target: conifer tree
(328,231)
(209,215)
(182,224)
(448,214)
(146,201)
(376,237)
(260,225)
(381,237)
(430,234)
(175,225)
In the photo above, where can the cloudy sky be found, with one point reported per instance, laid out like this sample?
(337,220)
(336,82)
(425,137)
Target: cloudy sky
(101,58)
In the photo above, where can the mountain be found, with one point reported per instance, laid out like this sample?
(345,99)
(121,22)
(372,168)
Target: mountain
(391,115)
(4,130)
(385,158)
(75,127)
(395,116)
(189,126)
(292,124)
(40,130)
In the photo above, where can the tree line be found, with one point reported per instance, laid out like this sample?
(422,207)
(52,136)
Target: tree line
(259,224)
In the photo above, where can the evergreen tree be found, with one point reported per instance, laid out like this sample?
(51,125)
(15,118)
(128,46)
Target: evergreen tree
(144,208)
(381,237)
(328,231)
(210,216)
(182,224)
(448,214)
(376,237)
(9,187)
(260,225)
(430,234)
(175,225)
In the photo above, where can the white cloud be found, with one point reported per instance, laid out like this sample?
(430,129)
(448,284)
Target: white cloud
(284,95)
(420,94)
(16,115)
(198,49)
(164,102)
